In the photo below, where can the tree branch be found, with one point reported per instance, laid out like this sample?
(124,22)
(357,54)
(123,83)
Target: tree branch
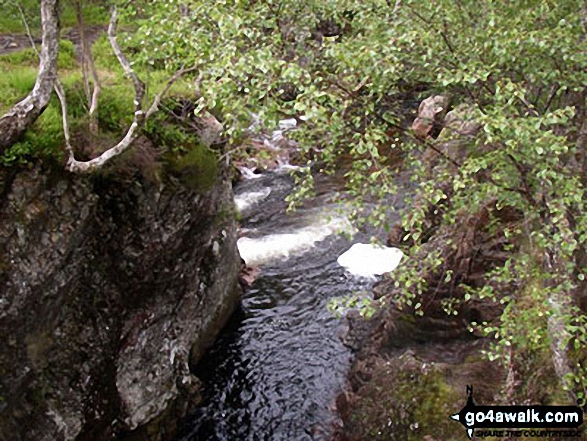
(62,100)
(139,119)
(88,64)
(157,100)
(128,70)
(553,91)
(17,120)
(27,28)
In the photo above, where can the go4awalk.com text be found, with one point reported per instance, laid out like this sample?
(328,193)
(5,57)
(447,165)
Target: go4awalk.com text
(520,421)
(527,433)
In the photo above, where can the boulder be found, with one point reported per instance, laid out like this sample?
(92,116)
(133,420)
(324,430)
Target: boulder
(109,287)
(431,113)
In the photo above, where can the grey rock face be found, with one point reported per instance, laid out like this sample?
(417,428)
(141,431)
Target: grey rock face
(107,287)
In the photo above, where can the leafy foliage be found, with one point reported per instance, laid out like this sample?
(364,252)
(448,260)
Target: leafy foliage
(347,67)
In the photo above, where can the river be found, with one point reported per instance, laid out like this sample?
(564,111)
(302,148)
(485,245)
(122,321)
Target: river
(277,368)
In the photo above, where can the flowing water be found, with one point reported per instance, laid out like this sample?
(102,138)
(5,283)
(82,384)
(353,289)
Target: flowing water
(275,371)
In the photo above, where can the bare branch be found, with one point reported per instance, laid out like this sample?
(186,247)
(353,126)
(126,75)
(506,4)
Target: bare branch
(94,103)
(88,65)
(128,70)
(62,100)
(396,7)
(28,29)
(59,88)
(531,110)
(82,37)
(139,119)
(553,91)
(75,166)
(157,100)
(131,135)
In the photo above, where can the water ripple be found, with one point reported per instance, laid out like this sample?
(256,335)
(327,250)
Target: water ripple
(276,370)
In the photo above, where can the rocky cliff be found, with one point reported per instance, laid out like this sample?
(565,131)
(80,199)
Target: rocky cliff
(108,286)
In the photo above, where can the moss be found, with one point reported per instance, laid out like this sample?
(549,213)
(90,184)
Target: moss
(170,135)
(186,158)
(197,169)
(227,213)
(116,109)
(406,401)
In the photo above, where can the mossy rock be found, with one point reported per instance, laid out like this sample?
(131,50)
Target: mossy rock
(197,169)
(406,400)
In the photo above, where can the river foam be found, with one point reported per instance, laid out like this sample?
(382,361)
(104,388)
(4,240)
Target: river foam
(256,251)
(369,260)
(246,200)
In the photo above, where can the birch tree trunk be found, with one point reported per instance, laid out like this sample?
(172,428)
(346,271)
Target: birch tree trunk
(88,68)
(18,119)
(140,116)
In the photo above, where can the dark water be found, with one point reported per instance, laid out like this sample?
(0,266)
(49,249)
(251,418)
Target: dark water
(276,369)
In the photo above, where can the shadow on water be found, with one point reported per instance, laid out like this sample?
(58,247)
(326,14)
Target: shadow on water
(276,369)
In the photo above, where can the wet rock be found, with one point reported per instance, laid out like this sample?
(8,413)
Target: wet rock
(409,393)
(430,116)
(460,127)
(109,288)
(248,275)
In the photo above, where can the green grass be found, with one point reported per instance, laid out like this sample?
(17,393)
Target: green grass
(45,138)
(18,72)
(107,63)
(93,15)
(103,55)
(11,21)
(28,57)
(15,84)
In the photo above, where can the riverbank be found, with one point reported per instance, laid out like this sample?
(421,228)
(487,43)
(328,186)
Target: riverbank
(445,326)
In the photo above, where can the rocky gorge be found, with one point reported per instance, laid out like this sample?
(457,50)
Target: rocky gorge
(110,288)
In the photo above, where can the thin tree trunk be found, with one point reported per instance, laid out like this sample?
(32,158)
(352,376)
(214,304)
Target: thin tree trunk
(560,304)
(82,40)
(18,119)
(559,337)
(88,67)
(140,116)
(93,112)
(582,138)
